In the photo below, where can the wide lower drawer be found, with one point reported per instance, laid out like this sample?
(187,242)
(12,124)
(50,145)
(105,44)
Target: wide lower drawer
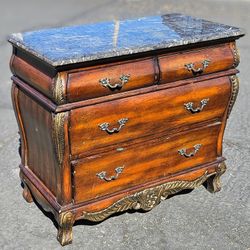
(103,174)
(125,119)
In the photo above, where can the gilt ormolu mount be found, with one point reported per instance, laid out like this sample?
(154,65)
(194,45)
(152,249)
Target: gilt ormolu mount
(120,115)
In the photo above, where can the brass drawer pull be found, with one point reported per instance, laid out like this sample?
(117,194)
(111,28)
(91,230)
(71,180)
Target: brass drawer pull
(105,82)
(105,126)
(189,106)
(190,67)
(102,175)
(184,153)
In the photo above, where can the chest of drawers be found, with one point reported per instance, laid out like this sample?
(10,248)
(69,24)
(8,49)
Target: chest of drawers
(120,115)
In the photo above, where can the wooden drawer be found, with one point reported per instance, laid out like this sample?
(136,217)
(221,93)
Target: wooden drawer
(143,163)
(147,114)
(186,64)
(110,79)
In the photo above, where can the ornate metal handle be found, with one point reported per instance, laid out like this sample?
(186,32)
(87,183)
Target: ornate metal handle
(183,151)
(105,126)
(190,67)
(102,175)
(105,82)
(189,106)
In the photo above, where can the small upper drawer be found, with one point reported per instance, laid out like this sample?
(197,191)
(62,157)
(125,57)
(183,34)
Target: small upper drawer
(186,64)
(110,78)
(110,172)
(126,119)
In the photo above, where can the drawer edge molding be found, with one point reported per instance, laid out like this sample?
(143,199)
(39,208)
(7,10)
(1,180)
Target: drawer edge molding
(147,199)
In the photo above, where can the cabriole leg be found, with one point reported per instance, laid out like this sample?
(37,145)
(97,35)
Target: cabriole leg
(213,183)
(26,193)
(65,234)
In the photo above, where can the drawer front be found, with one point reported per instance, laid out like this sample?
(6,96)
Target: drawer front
(196,62)
(134,117)
(100,175)
(110,79)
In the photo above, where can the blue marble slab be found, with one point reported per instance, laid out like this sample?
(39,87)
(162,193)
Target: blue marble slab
(82,43)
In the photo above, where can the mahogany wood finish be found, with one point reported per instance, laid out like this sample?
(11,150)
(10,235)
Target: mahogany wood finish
(51,106)
(37,123)
(107,201)
(31,75)
(145,114)
(173,66)
(38,145)
(26,193)
(164,146)
(159,159)
(86,83)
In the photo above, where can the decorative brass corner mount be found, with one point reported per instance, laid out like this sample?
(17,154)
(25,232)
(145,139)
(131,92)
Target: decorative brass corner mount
(235,89)
(146,199)
(58,135)
(213,182)
(236,54)
(58,90)
(65,224)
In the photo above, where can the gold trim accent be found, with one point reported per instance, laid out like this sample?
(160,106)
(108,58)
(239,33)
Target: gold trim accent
(65,224)
(146,199)
(59,89)
(213,182)
(235,89)
(58,135)
(236,54)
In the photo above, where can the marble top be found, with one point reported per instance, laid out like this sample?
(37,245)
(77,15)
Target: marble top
(82,43)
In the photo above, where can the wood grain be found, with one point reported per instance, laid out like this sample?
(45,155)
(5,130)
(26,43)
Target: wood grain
(143,164)
(51,106)
(172,66)
(23,148)
(105,201)
(85,84)
(42,194)
(32,76)
(40,156)
(147,114)
(59,111)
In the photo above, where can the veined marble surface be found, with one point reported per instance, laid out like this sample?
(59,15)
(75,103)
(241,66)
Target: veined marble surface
(82,43)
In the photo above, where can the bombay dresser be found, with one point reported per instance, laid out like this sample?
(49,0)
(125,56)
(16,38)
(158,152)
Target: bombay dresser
(119,115)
